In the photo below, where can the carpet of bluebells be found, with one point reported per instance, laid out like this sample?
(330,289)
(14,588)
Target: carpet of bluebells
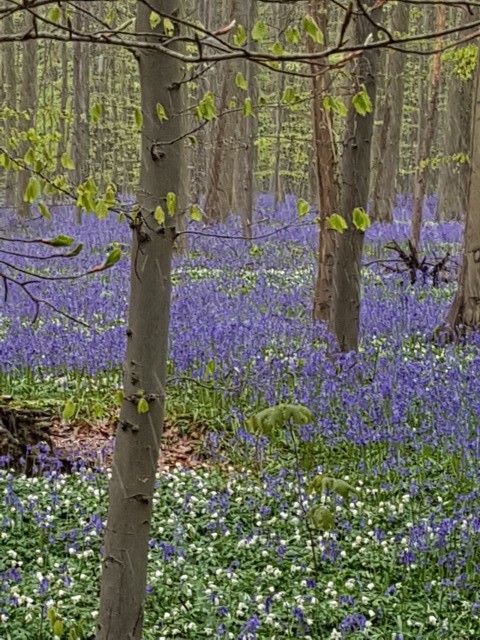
(233,555)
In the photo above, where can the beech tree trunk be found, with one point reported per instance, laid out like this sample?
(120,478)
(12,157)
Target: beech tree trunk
(345,313)
(28,103)
(326,174)
(8,78)
(384,182)
(464,314)
(141,421)
(426,139)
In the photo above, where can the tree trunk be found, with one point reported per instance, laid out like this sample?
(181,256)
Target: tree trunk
(464,314)
(426,139)
(345,313)
(8,77)
(454,171)
(28,103)
(141,421)
(80,132)
(326,174)
(384,182)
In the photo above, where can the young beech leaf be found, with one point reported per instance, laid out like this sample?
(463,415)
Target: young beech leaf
(337,223)
(118,395)
(67,162)
(55,14)
(59,241)
(303,208)
(33,190)
(195,213)
(259,31)
(138,117)
(159,215)
(361,221)
(142,406)
(161,113)
(171,203)
(113,257)
(362,103)
(241,81)
(58,628)
(247,108)
(74,252)
(168,27)
(68,410)
(42,207)
(240,37)
(210,368)
(154,20)
(312,29)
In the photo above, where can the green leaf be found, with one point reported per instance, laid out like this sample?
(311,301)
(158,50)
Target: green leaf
(337,223)
(96,111)
(113,257)
(74,252)
(159,215)
(241,81)
(59,241)
(154,20)
(68,410)
(142,406)
(321,518)
(240,37)
(247,107)
(289,95)
(362,103)
(168,27)
(259,31)
(51,615)
(312,29)
(361,220)
(58,628)
(138,117)
(330,103)
(206,107)
(55,14)
(101,209)
(342,488)
(42,207)
(277,48)
(303,208)
(210,368)
(67,162)
(292,35)
(276,417)
(118,395)
(161,113)
(33,190)
(195,213)
(171,203)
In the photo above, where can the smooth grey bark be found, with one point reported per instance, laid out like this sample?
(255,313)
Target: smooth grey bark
(138,435)
(81,90)
(28,103)
(355,175)
(464,314)
(426,139)
(384,181)
(326,164)
(8,79)
(453,174)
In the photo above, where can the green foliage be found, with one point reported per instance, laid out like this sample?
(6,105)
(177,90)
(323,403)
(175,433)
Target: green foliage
(361,220)
(59,241)
(273,418)
(206,110)
(336,222)
(171,203)
(161,113)
(69,410)
(240,37)
(312,29)
(241,81)
(33,190)
(67,162)
(335,104)
(195,213)
(154,20)
(461,61)
(259,31)
(303,208)
(142,406)
(362,103)
(247,107)
(159,215)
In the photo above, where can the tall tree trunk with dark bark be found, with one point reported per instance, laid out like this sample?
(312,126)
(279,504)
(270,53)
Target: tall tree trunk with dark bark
(383,189)
(141,421)
(355,175)
(326,173)
(464,314)
(8,78)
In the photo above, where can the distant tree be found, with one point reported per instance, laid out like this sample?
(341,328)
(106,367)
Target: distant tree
(464,313)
